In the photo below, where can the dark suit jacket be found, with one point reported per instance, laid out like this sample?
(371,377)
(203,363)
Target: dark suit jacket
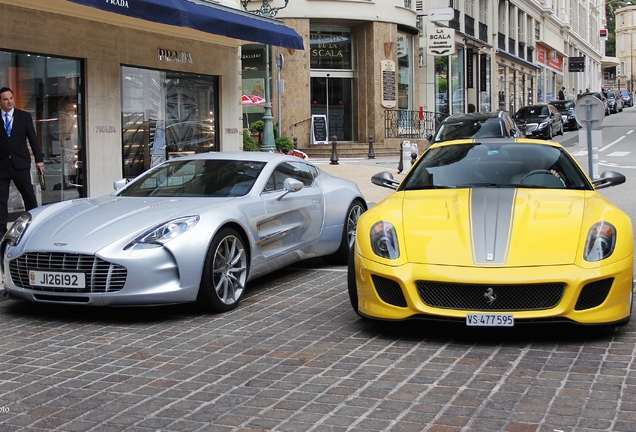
(16,145)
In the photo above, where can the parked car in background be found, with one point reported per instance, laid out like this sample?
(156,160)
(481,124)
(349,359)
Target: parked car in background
(497,124)
(628,99)
(600,96)
(614,101)
(494,233)
(194,228)
(566,108)
(539,121)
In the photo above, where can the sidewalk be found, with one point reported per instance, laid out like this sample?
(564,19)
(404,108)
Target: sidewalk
(360,171)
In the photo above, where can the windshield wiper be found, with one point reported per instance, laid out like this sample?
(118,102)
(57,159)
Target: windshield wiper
(487,184)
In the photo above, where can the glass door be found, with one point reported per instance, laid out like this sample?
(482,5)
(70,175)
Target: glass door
(332,95)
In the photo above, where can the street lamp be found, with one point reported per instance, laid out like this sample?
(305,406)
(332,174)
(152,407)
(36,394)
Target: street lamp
(268,143)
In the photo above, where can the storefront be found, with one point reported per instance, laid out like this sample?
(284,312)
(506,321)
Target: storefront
(516,82)
(112,95)
(550,75)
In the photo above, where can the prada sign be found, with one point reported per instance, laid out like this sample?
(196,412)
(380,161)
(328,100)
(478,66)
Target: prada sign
(174,56)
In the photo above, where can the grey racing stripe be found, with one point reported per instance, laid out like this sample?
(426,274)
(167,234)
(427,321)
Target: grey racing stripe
(491,214)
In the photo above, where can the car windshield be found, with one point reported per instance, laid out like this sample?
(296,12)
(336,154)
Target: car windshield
(196,178)
(611,95)
(470,128)
(532,112)
(564,105)
(506,164)
(625,93)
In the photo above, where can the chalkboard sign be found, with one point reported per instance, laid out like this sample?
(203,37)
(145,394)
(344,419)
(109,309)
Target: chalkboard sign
(319,129)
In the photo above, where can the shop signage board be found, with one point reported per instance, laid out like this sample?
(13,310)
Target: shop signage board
(442,14)
(441,42)
(576,64)
(319,134)
(389,86)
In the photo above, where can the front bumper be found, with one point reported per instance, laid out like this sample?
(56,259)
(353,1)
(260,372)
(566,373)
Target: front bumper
(391,293)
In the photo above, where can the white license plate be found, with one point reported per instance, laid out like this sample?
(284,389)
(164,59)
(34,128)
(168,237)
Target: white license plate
(57,279)
(490,320)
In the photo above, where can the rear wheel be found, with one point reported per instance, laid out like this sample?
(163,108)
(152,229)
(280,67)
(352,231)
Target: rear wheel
(224,273)
(356,208)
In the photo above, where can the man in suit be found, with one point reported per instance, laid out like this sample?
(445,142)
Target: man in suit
(562,93)
(15,158)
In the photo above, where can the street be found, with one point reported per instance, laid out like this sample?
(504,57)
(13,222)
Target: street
(295,357)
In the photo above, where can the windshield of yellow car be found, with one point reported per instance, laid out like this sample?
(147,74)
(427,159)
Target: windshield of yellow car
(506,164)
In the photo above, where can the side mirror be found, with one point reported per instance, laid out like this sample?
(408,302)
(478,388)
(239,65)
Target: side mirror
(120,184)
(290,185)
(609,178)
(429,138)
(385,179)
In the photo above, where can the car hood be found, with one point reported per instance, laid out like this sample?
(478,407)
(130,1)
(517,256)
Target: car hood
(91,223)
(532,120)
(493,226)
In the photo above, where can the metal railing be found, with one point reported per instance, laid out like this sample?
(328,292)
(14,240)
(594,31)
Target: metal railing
(411,124)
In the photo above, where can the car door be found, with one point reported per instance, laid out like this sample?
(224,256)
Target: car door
(294,219)
(555,119)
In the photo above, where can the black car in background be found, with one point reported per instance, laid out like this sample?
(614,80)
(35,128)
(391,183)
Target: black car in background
(566,108)
(614,101)
(497,124)
(628,99)
(539,121)
(600,96)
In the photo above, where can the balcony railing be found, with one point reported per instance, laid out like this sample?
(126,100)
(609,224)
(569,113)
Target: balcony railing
(411,124)
(511,46)
(483,32)
(501,41)
(469,25)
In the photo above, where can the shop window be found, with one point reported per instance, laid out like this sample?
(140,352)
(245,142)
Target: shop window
(50,89)
(166,114)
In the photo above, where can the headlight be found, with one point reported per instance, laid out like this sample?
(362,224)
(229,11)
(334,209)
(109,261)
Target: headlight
(165,232)
(544,124)
(18,228)
(384,240)
(600,243)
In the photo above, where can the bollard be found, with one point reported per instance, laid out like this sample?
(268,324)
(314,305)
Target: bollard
(413,157)
(371,152)
(334,151)
(401,163)
(295,143)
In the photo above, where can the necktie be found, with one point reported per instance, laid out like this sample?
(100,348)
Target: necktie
(7,123)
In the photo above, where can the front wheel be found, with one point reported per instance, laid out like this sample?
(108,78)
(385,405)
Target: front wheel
(224,273)
(356,208)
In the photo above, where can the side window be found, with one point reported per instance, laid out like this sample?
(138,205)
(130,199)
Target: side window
(297,170)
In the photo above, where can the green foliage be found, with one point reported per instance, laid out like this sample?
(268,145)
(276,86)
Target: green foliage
(284,143)
(259,125)
(249,143)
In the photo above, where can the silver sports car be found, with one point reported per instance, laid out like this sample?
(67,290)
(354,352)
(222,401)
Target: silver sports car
(195,228)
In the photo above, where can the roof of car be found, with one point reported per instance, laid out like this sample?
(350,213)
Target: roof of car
(475,116)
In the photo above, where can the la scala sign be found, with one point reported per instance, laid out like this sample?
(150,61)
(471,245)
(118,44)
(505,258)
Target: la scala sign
(441,42)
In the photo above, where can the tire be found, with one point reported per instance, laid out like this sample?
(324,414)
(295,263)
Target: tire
(562,130)
(550,135)
(341,256)
(225,272)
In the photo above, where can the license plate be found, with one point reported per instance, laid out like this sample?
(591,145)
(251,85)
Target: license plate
(57,279)
(490,320)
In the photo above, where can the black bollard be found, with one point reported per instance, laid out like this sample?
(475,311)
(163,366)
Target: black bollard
(371,152)
(334,151)
(401,164)
(295,143)
(413,157)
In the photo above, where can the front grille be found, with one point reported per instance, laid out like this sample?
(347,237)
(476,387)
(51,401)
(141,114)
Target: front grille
(593,294)
(389,291)
(101,276)
(513,297)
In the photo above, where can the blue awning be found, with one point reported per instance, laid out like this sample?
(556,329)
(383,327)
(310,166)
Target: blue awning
(209,18)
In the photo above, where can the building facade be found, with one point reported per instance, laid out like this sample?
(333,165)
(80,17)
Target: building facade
(112,95)
(360,61)
(625,46)
(509,53)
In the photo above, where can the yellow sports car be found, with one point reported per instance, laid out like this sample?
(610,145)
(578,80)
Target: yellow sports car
(494,233)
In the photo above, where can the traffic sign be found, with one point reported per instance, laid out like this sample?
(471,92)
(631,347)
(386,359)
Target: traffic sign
(589,112)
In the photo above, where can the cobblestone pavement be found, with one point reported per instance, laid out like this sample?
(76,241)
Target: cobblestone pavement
(295,357)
